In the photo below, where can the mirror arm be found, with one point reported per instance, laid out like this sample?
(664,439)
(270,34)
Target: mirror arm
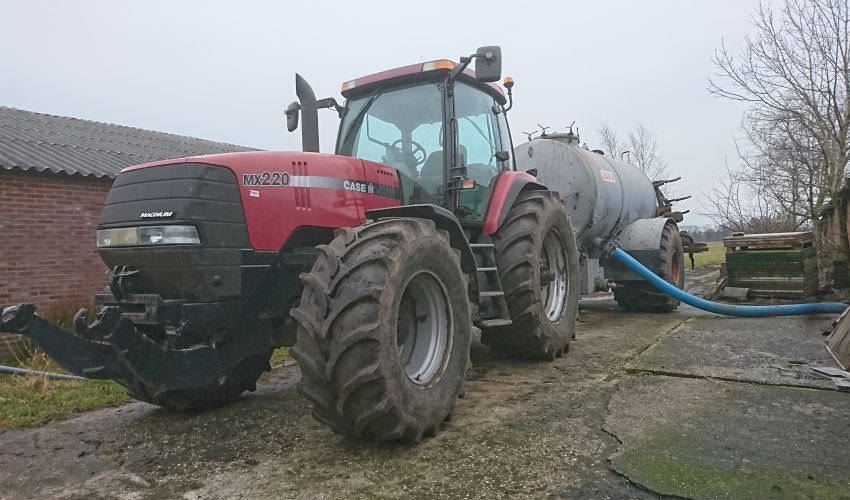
(329,103)
(458,69)
(510,100)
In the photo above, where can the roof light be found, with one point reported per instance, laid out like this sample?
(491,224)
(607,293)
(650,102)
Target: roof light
(350,84)
(438,64)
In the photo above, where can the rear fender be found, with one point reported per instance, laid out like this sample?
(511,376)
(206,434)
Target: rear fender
(446,221)
(508,187)
(642,240)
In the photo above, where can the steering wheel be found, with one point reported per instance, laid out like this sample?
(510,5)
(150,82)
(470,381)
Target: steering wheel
(417,148)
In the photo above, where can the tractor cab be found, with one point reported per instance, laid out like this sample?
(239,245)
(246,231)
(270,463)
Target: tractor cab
(440,125)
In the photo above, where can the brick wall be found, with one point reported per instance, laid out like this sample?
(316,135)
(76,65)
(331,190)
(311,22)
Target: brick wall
(47,240)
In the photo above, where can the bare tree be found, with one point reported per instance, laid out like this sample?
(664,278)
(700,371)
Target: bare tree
(737,204)
(641,149)
(795,73)
(610,142)
(645,154)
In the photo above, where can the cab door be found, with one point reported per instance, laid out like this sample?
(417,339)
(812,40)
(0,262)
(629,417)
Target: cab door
(483,138)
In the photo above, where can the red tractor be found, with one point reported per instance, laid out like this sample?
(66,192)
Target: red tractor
(379,260)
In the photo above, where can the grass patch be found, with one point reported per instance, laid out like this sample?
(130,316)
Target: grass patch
(279,355)
(715,255)
(28,399)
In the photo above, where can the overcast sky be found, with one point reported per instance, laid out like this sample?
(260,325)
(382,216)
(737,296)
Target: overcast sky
(225,70)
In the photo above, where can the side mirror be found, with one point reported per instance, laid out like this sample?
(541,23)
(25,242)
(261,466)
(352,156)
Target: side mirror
(292,112)
(488,63)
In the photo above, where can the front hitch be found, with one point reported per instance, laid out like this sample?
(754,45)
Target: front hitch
(113,348)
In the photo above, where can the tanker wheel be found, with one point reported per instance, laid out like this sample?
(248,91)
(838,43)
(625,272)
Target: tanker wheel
(537,261)
(239,378)
(384,329)
(640,295)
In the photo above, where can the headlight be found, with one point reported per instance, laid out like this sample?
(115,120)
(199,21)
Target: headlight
(148,235)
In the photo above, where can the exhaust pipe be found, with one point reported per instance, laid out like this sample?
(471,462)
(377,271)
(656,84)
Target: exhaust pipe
(309,115)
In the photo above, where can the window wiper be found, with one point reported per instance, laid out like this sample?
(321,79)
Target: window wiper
(355,123)
(481,132)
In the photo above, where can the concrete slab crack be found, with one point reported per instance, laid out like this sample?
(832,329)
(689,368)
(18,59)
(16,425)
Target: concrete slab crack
(664,373)
(603,428)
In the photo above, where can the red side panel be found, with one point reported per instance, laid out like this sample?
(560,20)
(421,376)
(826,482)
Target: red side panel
(499,198)
(383,184)
(282,191)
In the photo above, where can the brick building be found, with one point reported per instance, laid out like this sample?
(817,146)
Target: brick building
(55,173)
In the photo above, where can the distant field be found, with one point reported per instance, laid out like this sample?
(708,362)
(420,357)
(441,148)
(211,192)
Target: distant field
(715,255)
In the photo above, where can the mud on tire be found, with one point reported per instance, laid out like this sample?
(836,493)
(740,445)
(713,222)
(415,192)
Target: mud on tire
(640,295)
(237,379)
(361,301)
(540,329)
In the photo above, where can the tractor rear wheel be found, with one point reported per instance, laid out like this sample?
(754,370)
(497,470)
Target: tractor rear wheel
(384,329)
(640,295)
(239,378)
(538,267)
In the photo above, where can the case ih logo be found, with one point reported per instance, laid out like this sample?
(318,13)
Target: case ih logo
(155,215)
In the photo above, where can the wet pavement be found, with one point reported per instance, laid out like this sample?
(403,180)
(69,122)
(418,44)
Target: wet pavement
(680,404)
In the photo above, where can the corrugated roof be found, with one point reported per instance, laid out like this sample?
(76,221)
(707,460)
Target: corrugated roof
(42,142)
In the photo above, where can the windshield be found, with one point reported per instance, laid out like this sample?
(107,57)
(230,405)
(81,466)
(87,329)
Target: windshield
(402,128)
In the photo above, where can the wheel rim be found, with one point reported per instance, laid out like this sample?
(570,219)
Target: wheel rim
(675,269)
(423,328)
(554,285)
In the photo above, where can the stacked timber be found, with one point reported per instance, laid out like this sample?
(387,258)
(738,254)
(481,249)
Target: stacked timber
(773,265)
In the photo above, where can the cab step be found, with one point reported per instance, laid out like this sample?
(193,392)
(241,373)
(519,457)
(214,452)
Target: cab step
(494,323)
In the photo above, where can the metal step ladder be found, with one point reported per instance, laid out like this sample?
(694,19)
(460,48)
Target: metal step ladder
(487,253)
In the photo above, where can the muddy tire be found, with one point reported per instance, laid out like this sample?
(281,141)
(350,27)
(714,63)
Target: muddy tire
(643,297)
(384,330)
(538,266)
(238,379)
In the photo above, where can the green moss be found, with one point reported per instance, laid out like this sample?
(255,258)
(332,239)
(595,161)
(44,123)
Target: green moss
(672,464)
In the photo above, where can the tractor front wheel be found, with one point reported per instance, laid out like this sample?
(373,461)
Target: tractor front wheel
(384,330)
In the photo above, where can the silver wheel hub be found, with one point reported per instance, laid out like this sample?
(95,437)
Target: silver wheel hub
(424,327)
(554,288)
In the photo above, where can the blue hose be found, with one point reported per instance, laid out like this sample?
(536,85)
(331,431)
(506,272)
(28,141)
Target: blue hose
(726,309)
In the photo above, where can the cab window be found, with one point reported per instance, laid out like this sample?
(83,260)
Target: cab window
(402,128)
(480,136)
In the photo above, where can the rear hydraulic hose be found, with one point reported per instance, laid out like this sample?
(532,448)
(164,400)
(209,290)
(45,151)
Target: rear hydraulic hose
(11,370)
(725,309)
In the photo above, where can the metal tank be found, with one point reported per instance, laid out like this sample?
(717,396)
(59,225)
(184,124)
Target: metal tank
(603,195)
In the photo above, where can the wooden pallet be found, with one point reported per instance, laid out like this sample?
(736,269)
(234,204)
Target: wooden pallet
(774,265)
(772,241)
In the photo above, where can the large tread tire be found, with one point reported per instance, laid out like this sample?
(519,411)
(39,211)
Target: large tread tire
(239,378)
(347,344)
(640,296)
(518,248)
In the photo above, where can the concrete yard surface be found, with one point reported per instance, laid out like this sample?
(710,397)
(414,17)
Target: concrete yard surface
(642,406)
